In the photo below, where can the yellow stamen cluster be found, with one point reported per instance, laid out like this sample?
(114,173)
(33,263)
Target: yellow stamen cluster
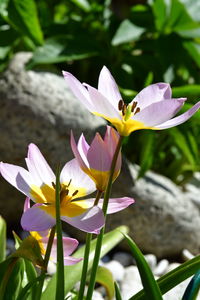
(64,192)
(128,110)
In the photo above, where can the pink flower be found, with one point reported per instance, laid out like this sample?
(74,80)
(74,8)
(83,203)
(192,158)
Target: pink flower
(153,108)
(96,159)
(38,183)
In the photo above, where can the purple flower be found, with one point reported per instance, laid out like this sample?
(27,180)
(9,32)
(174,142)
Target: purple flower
(153,108)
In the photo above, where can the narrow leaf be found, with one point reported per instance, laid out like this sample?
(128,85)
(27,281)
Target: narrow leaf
(117,292)
(73,273)
(192,288)
(151,288)
(105,278)
(2,239)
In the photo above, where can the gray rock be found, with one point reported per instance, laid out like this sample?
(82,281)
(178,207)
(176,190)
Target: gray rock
(124,258)
(36,107)
(161,267)
(151,260)
(116,269)
(131,283)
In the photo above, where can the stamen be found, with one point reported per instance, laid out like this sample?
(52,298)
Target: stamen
(124,109)
(69,183)
(137,110)
(120,104)
(133,106)
(53,185)
(75,193)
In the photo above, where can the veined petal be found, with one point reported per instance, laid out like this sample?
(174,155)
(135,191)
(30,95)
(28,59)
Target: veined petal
(73,175)
(38,166)
(108,87)
(158,112)
(152,94)
(83,147)
(77,154)
(101,105)
(111,140)
(78,90)
(68,261)
(90,221)
(37,219)
(18,177)
(114,204)
(179,119)
(98,155)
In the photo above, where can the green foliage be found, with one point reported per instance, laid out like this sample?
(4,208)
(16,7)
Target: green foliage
(193,287)
(105,278)
(140,43)
(2,239)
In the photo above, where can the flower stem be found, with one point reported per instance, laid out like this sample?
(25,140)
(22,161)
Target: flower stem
(60,260)
(100,236)
(46,260)
(86,256)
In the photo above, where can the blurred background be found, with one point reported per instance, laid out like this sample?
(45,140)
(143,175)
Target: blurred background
(141,42)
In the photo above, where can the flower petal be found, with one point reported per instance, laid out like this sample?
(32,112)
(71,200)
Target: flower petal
(98,155)
(108,87)
(153,93)
(38,166)
(159,112)
(90,221)
(36,219)
(68,261)
(18,177)
(27,204)
(101,104)
(111,140)
(81,160)
(83,148)
(179,119)
(78,90)
(114,204)
(80,181)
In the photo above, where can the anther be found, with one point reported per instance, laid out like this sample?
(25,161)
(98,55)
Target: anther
(133,106)
(75,193)
(53,185)
(137,110)
(124,109)
(120,104)
(69,183)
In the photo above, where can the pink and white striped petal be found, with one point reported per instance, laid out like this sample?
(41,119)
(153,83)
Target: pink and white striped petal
(90,221)
(36,219)
(72,173)
(108,87)
(78,155)
(38,166)
(179,119)
(159,112)
(114,204)
(152,94)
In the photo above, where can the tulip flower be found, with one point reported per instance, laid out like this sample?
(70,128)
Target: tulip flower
(38,183)
(96,159)
(152,108)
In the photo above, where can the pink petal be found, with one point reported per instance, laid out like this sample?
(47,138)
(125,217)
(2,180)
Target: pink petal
(114,204)
(111,140)
(98,155)
(27,204)
(102,105)
(36,219)
(77,154)
(83,148)
(108,87)
(72,171)
(179,119)
(90,221)
(68,261)
(158,112)
(78,90)
(38,166)
(18,177)
(153,93)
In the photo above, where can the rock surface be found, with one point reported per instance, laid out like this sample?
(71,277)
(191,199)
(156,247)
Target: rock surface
(38,107)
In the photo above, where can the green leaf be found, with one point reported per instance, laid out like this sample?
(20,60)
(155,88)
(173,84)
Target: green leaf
(11,283)
(22,15)
(73,273)
(126,32)
(63,48)
(105,278)
(174,277)
(2,239)
(194,51)
(83,4)
(159,10)
(117,292)
(151,288)
(186,91)
(192,288)
(181,142)
(29,249)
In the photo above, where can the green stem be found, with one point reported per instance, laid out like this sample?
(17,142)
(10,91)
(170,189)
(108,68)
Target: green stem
(46,260)
(60,259)
(6,277)
(100,236)
(86,256)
